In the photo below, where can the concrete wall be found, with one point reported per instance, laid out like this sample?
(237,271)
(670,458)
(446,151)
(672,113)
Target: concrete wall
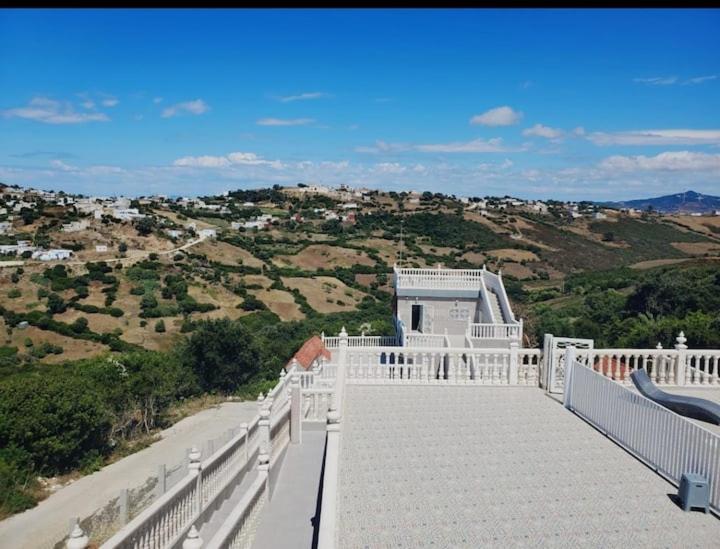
(440,310)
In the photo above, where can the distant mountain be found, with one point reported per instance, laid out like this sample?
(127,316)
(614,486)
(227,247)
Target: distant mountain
(687,202)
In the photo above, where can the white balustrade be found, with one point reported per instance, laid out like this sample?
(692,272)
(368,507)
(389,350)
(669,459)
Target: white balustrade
(438,278)
(316,402)
(494,331)
(425,340)
(634,422)
(457,366)
(238,530)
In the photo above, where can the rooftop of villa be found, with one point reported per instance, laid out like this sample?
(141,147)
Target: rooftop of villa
(388,441)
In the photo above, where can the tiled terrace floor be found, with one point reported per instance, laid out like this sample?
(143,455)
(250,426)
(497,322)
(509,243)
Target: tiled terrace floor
(495,467)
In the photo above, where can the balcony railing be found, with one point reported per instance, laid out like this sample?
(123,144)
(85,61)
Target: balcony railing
(668,442)
(495,331)
(448,279)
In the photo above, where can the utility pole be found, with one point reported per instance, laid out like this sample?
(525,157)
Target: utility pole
(401,243)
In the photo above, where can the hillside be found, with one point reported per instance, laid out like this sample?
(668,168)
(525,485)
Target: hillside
(687,202)
(149,288)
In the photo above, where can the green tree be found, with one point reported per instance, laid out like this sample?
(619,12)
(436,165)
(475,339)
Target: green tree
(160,326)
(52,422)
(223,355)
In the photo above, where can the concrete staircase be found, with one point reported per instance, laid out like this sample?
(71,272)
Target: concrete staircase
(494,301)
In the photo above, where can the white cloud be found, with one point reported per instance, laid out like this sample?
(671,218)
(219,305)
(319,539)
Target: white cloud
(474,146)
(390,167)
(657,80)
(499,116)
(88,104)
(198,106)
(384,147)
(543,131)
(657,137)
(285,121)
(684,161)
(579,131)
(671,80)
(202,161)
(232,159)
(110,102)
(157,100)
(700,79)
(304,96)
(62,166)
(50,111)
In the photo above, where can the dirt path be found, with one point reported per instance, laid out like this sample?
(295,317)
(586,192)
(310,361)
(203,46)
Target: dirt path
(46,524)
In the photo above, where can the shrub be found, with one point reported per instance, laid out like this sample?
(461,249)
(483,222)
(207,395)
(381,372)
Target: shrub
(14,293)
(160,326)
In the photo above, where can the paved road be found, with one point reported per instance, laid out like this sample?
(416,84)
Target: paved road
(47,523)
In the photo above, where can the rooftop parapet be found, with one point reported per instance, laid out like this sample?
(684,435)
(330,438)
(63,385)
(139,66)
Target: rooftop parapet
(440,278)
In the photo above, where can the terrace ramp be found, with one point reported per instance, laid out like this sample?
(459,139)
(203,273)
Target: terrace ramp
(499,466)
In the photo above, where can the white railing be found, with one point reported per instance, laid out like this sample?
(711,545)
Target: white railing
(316,402)
(414,339)
(666,441)
(423,365)
(494,331)
(449,279)
(238,530)
(361,341)
(166,521)
(664,366)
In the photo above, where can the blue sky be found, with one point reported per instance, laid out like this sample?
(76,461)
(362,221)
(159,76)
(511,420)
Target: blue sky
(570,104)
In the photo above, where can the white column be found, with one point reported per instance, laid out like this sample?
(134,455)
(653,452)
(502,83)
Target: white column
(513,375)
(194,468)
(681,359)
(295,409)
(569,366)
(264,446)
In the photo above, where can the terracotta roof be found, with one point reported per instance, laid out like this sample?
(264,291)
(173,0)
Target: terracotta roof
(311,350)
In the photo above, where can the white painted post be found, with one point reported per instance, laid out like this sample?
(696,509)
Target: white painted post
(681,359)
(193,539)
(295,409)
(162,480)
(569,366)
(78,539)
(513,376)
(124,506)
(194,468)
(264,446)
(342,349)
(326,536)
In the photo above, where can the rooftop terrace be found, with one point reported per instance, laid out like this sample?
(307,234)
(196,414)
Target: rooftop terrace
(388,446)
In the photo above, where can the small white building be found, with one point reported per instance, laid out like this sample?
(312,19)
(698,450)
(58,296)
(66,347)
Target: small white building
(248,204)
(127,214)
(75,226)
(207,233)
(349,206)
(599,215)
(174,233)
(5,227)
(52,255)
(101,248)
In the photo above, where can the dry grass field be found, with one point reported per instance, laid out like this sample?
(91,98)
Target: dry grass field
(280,302)
(511,254)
(697,248)
(517,270)
(318,256)
(222,252)
(324,292)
